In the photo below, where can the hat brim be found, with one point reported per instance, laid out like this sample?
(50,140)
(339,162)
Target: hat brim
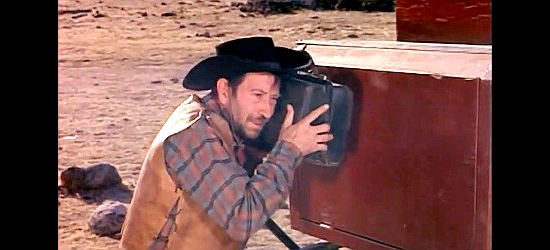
(204,75)
(293,59)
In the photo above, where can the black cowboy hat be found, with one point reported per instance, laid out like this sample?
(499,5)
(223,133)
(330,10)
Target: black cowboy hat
(243,55)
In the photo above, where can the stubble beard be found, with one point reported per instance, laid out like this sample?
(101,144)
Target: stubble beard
(239,127)
(253,134)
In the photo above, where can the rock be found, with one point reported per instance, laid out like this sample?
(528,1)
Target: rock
(323,28)
(235,4)
(72,179)
(107,219)
(203,34)
(174,80)
(171,13)
(245,8)
(156,81)
(353,36)
(97,14)
(79,15)
(75,11)
(266,6)
(97,176)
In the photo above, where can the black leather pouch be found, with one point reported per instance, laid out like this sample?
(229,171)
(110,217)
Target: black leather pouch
(306,92)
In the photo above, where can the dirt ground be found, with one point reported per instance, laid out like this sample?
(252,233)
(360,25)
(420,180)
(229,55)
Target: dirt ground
(120,68)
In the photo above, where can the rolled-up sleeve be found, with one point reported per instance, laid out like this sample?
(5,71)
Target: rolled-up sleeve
(200,165)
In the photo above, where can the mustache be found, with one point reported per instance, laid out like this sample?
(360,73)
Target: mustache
(257,119)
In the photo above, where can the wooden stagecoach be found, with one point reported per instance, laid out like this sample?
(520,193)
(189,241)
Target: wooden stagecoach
(417,167)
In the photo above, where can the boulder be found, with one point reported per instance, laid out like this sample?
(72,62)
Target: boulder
(99,176)
(107,218)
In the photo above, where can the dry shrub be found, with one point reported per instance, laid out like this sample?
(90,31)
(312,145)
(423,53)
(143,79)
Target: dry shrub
(368,5)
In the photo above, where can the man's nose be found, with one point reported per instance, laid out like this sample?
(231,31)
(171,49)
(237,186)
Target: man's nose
(266,107)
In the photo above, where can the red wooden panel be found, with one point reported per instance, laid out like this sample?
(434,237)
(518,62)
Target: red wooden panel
(482,232)
(409,178)
(334,235)
(444,21)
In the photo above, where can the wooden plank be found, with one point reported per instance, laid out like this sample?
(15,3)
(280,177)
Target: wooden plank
(468,61)
(397,45)
(444,21)
(482,231)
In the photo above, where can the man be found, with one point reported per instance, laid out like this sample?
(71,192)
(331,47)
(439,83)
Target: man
(199,153)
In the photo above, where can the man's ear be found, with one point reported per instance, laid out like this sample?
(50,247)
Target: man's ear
(222,87)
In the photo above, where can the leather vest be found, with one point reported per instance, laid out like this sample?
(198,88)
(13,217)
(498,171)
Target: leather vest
(156,193)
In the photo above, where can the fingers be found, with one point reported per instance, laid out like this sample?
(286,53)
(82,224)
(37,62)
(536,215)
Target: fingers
(289,116)
(315,113)
(322,147)
(306,137)
(322,128)
(322,138)
(321,144)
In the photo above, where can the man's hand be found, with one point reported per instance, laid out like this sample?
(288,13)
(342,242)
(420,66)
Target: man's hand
(307,138)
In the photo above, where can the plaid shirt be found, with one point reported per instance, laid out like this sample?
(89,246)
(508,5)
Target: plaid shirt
(200,165)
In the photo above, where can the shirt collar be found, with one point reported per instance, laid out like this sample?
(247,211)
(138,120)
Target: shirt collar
(212,105)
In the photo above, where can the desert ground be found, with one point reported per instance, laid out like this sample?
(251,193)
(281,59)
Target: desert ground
(120,66)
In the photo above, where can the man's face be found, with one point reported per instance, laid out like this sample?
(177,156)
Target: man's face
(253,103)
